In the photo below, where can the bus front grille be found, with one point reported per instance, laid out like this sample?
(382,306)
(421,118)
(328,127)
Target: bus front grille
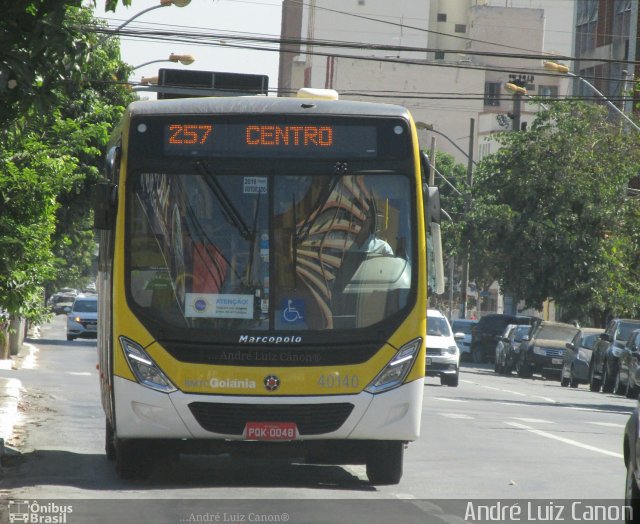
(230,419)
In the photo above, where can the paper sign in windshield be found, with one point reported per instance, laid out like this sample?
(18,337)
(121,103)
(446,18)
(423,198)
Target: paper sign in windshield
(211,305)
(254,184)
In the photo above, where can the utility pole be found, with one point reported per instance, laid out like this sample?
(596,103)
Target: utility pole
(468,203)
(517,88)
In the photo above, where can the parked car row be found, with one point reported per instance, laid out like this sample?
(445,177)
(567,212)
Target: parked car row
(489,331)
(605,359)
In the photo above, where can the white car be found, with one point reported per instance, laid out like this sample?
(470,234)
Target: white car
(82,317)
(443,355)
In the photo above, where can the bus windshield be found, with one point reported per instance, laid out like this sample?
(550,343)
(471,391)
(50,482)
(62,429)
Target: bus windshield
(256,251)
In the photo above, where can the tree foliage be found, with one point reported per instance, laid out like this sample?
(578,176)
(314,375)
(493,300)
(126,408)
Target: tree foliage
(39,53)
(53,136)
(552,214)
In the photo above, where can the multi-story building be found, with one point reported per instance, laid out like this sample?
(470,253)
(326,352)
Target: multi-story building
(447,61)
(607,48)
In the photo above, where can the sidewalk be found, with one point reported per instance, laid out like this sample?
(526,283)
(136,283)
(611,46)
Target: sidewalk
(11,391)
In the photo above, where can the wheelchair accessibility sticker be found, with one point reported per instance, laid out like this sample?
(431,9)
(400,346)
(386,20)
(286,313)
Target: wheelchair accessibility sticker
(293,311)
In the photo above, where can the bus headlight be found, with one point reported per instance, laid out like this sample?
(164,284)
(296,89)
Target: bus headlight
(144,368)
(397,369)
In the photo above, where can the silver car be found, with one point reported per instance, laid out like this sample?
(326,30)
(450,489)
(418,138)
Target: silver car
(577,358)
(82,318)
(463,326)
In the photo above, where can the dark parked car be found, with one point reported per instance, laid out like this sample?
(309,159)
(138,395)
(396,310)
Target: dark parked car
(577,358)
(542,352)
(606,353)
(508,349)
(628,378)
(631,453)
(58,301)
(487,333)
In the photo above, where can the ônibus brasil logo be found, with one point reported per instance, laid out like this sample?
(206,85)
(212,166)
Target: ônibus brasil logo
(35,512)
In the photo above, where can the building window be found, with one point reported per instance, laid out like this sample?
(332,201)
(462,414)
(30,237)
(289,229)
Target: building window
(439,55)
(548,91)
(460,28)
(484,150)
(492,94)
(442,17)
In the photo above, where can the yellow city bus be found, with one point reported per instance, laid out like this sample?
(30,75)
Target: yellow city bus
(263,282)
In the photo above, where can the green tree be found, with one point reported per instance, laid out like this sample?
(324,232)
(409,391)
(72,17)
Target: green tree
(49,162)
(551,212)
(451,179)
(40,53)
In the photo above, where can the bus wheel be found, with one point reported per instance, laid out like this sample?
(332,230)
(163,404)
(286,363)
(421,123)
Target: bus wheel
(133,460)
(384,461)
(109,445)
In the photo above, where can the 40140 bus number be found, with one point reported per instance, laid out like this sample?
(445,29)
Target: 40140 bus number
(338,381)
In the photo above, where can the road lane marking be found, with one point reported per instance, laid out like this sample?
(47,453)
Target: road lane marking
(599,410)
(534,420)
(515,392)
(565,440)
(448,399)
(607,424)
(79,373)
(547,399)
(456,415)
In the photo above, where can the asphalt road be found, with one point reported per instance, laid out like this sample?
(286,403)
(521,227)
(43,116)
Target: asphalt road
(492,438)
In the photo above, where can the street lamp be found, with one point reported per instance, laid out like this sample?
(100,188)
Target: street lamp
(518,93)
(470,163)
(561,68)
(183,59)
(149,80)
(163,3)
(429,127)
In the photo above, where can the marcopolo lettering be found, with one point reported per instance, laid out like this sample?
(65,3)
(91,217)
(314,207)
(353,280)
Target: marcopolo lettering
(246,339)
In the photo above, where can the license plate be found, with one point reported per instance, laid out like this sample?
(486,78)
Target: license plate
(428,361)
(270,431)
(556,361)
(92,326)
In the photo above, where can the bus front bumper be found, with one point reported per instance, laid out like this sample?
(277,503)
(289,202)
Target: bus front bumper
(141,412)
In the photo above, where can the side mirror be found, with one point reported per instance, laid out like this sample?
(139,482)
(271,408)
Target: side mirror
(571,346)
(526,338)
(105,206)
(606,337)
(66,309)
(459,336)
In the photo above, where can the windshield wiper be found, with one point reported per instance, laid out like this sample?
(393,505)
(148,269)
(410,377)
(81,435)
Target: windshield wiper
(228,209)
(339,170)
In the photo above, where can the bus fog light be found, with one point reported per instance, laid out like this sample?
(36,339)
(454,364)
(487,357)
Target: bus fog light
(397,369)
(144,368)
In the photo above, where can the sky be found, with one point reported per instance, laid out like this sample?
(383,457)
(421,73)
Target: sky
(220,17)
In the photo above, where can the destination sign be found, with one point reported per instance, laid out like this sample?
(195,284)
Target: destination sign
(270,139)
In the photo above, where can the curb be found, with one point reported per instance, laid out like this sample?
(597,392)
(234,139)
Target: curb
(10,391)
(10,394)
